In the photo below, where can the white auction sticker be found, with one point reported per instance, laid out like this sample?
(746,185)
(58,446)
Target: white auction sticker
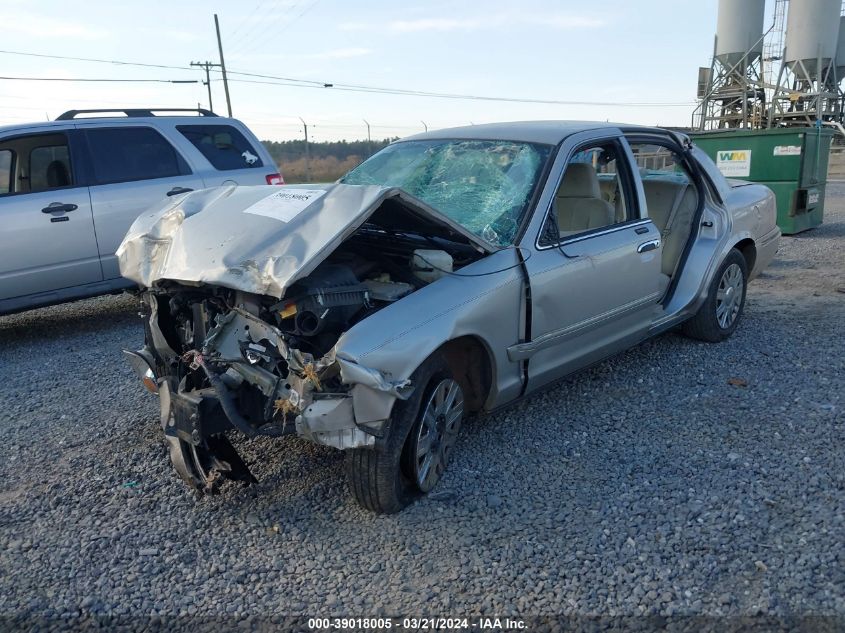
(285,204)
(734,162)
(787,150)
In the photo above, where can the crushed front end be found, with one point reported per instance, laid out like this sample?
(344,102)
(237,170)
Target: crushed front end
(246,298)
(223,360)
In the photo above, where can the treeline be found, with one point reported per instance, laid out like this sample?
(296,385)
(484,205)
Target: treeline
(326,162)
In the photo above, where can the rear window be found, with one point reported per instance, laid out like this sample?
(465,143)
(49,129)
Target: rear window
(132,153)
(5,171)
(224,146)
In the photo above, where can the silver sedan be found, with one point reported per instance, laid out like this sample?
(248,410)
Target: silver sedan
(450,274)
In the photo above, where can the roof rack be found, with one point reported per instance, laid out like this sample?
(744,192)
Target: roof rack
(132,112)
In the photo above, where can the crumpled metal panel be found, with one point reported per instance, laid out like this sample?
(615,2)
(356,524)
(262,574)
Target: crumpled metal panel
(236,237)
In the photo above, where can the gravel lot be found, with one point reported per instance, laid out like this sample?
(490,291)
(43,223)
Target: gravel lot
(646,485)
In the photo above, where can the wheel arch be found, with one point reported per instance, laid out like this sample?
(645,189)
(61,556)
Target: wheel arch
(471,362)
(748,249)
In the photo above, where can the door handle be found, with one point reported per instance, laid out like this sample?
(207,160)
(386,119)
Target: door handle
(59,207)
(177,190)
(651,245)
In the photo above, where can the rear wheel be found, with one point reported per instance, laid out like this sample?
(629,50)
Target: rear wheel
(720,313)
(421,436)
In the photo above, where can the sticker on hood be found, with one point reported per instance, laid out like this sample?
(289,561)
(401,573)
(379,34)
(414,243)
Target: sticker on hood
(285,205)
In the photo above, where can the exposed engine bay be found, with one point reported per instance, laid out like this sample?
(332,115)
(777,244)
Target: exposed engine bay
(222,358)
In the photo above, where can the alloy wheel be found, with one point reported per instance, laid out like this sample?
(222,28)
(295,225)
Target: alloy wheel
(437,433)
(729,296)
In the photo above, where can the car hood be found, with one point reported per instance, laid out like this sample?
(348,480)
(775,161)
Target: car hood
(260,239)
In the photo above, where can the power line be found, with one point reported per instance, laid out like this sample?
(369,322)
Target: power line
(295,82)
(261,36)
(249,17)
(414,93)
(99,61)
(86,79)
(251,34)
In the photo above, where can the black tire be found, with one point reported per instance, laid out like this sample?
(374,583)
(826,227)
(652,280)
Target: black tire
(705,325)
(379,477)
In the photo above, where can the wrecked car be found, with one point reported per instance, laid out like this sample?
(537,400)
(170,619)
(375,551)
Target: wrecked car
(450,274)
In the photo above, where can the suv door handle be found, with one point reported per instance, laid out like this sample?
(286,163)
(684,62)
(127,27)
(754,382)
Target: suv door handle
(645,247)
(59,207)
(177,190)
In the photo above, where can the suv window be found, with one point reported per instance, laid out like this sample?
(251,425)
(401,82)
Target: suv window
(49,168)
(132,153)
(592,194)
(223,145)
(6,157)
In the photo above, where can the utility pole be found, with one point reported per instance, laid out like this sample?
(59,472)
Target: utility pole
(369,142)
(207,66)
(222,65)
(307,157)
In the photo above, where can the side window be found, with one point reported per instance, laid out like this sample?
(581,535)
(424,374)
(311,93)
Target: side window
(223,145)
(671,197)
(593,193)
(6,160)
(132,153)
(49,168)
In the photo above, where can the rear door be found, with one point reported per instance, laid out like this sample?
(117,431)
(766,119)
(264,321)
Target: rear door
(594,271)
(234,154)
(47,239)
(133,167)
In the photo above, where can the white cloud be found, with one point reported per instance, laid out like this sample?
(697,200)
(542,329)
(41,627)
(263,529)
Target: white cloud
(560,21)
(440,24)
(42,27)
(355,26)
(338,53)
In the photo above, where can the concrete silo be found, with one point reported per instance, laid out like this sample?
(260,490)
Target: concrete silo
(739,32)
(839,62)
(812,29)
(731,89)
(807,89)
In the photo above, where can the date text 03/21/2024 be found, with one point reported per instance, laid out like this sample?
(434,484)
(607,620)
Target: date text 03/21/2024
(416,624)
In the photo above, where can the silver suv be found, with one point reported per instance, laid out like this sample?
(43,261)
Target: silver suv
(70,188)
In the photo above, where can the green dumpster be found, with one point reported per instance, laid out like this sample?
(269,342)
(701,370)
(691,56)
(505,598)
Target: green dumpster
(792,162)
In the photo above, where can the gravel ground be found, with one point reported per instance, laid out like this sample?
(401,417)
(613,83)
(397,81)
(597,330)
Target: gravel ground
(646,485)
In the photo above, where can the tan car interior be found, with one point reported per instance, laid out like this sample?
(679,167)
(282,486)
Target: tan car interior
(671,206)
(578,203)
(584,202)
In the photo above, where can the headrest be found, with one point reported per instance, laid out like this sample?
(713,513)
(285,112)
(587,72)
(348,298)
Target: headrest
(579,181)
(57,174)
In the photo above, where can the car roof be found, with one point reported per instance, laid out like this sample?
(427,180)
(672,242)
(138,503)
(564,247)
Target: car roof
(118,120)
(549,132)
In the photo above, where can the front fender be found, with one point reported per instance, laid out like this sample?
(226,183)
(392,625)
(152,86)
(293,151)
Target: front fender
(397,339)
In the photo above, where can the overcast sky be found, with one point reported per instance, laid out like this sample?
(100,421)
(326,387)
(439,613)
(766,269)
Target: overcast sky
(620,51)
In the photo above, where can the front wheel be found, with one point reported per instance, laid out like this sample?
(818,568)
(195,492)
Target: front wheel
(421,436)
(721,311)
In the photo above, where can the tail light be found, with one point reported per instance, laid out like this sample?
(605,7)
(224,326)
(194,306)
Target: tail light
(274,179)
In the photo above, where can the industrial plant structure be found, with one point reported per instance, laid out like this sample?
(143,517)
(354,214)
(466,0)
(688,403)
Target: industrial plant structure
(787,75)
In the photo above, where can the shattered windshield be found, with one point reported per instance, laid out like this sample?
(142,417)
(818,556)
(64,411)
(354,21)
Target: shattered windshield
(485,186)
